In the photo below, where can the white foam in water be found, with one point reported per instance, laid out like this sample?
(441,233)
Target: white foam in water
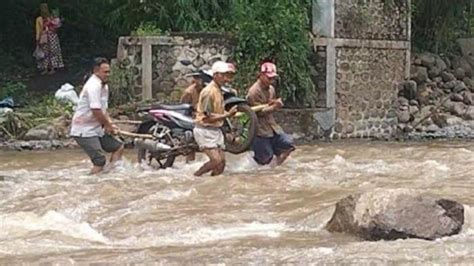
(464,150)
(468,227)
(24,223)
(122,166)
(76,213)
(315,222)
(171,194)
(432,164)
(164,195)
(338,160)
(244,163)
(377,167)
(206,235)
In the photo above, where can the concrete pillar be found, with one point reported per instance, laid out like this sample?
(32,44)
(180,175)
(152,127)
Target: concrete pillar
(147,75)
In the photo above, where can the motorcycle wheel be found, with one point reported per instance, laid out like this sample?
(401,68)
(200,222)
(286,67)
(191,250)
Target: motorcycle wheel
(154,159)
(240,131)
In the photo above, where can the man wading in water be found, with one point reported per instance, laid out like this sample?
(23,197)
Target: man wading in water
(210,115)
(91,119)
(270,139)
(191,96)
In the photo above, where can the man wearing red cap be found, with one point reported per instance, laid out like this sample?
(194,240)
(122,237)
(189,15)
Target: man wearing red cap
(270,140)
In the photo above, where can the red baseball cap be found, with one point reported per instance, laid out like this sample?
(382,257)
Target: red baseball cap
(269,69)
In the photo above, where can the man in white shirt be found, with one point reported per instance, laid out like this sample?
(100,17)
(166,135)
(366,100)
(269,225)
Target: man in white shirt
(91,125)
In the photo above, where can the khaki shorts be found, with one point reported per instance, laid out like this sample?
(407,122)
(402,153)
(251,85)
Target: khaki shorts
(209,137)
(96,147)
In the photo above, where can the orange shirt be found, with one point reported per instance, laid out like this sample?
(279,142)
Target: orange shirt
(211,101)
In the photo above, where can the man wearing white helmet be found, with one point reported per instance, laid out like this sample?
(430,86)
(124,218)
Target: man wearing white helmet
(210,116)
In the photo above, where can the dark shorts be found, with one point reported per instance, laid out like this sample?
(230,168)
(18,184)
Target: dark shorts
(265,148)
(96,147)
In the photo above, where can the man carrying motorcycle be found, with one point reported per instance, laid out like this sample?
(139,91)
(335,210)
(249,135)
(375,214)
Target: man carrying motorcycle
(270,139)
(191,93)
(210,115)
(191,96)
(91,125)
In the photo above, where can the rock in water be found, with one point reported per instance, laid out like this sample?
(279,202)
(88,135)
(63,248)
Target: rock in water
(42,132)
(395,214)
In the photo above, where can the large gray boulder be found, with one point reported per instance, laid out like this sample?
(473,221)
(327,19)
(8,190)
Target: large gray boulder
(57,128)
(458,108)
(419,74)
(466,64)
(447,76)
(467,46)
(427,59)
(408,89)
(396,214)
(469,83)
(42,132)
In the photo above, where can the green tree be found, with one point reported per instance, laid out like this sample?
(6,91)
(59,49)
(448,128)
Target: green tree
(438,23)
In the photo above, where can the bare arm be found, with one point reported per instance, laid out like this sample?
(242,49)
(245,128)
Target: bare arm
(205,107)
(187,98)
(39,28)
(254,99)
(211,118)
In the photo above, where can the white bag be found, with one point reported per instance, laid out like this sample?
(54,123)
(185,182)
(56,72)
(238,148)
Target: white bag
(38,54)
(67,93)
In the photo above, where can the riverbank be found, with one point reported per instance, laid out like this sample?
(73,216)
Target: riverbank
(451,134)
(33,145)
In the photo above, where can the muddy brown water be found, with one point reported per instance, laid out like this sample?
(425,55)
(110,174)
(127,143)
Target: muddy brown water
(51,211)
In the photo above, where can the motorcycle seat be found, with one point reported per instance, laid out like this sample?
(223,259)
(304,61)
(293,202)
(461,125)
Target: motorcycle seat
(174,107)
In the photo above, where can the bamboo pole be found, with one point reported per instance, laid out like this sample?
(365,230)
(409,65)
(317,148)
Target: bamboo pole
(256,108)
(132,122)
(134,135)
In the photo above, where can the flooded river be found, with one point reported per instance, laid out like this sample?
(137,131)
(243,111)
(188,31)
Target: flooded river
(51,211)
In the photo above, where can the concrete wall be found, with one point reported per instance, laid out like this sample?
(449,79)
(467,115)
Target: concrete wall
(366,91)
(372,19)
(366,46)
(158,72)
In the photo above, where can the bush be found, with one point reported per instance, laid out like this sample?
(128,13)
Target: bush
(438,23)
(120,86)
(16,124)
(48,108)
(147,29)
(275,31)
(16,90)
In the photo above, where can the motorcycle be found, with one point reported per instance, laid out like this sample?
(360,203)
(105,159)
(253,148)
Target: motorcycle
(170,129)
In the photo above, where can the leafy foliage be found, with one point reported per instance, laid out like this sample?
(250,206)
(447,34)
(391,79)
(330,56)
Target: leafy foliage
(438,23)
(172,15)
(147,29)
(275,31)
(16,124)
(16,90)
(121,91)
